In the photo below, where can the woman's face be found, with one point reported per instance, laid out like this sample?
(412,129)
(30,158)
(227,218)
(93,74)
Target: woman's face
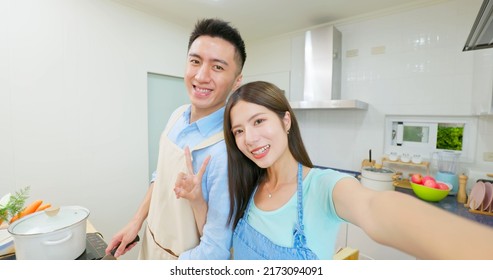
(259,133)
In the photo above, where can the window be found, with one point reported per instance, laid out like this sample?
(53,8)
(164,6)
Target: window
(450,136)
(425,135)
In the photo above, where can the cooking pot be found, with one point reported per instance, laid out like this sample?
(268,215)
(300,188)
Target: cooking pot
(379,179)
(40,236)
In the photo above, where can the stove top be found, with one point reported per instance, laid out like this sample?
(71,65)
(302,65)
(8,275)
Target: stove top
(95,247)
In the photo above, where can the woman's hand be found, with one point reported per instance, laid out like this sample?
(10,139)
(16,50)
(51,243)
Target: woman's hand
(189,186)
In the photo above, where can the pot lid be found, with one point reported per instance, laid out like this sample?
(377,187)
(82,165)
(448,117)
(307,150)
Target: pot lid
(379,170)
(40,222)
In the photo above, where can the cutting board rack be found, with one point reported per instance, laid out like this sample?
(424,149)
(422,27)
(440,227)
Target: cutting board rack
(483,193)
(486,211)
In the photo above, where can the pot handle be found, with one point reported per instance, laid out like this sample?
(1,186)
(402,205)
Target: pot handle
(50,243)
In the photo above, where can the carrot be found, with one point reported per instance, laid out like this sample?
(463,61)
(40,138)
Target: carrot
(31,208)
(43,207)
(28,210)
(15,218)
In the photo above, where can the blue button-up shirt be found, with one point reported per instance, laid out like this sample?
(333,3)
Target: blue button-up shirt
(215,242)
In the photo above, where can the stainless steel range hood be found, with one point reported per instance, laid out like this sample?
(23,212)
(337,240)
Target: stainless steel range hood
(481,36)
(322,72)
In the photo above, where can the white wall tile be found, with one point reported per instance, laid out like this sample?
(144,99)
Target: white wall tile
(422,71)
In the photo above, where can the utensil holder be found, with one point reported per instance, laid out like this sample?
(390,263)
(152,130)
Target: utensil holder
(367,163)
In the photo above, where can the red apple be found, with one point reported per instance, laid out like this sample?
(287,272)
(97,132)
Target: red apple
(430,183)
(417,178)
(442,186)
(427,178)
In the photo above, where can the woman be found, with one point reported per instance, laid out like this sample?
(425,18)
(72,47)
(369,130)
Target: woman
(283,208)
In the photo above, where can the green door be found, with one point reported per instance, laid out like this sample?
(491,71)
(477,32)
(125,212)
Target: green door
(164,95)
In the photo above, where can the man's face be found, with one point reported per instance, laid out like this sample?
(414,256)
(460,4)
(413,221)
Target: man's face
(211,74)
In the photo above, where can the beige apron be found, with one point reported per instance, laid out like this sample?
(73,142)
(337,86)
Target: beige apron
(171,227)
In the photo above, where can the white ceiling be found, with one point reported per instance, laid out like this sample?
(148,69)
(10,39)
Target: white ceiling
(257,19)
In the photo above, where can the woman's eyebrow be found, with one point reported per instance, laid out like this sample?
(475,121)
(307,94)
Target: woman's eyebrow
(249,119)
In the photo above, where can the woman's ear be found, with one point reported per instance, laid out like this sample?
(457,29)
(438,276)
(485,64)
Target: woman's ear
(287,121)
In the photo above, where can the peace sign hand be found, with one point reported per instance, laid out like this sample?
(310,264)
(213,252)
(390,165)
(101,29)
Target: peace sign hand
(189,186)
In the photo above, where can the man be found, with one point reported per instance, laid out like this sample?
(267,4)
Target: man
(216,55)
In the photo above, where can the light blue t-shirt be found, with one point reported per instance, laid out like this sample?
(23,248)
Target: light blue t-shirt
(215,242)
(319,216)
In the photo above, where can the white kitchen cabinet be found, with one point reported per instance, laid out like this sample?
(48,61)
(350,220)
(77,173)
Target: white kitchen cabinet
(369,249)
(297,67)
(482,91)
(280,79)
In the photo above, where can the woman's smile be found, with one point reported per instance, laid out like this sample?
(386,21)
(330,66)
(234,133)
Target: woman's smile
(260,152)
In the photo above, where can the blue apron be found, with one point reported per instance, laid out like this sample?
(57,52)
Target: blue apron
(249,244)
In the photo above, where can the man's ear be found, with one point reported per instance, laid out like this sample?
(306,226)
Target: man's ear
(238,82)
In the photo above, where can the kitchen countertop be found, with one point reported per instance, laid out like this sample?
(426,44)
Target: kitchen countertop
(450,204)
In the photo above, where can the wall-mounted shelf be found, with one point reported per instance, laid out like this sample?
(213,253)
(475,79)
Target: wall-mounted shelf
(403,182)
(423,164)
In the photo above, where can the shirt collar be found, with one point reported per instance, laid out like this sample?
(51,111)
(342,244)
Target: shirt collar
(207,124)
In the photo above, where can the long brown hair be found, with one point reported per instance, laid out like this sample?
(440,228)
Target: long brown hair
(243,174)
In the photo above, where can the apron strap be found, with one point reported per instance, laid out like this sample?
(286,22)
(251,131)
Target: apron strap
(172,120)
(209,141)
(206,143)
(299,230)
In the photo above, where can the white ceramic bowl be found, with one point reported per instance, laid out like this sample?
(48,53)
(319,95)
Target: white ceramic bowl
(416,159)
(405,158)
(393,157)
